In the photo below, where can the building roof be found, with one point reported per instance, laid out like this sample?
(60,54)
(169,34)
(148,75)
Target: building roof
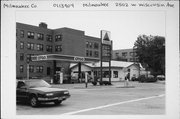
(106,64)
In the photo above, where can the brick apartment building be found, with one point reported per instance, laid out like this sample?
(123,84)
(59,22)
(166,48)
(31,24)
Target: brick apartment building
(62,42)
(125,55)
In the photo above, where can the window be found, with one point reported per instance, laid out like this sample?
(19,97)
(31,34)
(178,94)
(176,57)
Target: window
(28,57)
(131,54)
(30,46)
(105,74)
(40,36)
(48,70)
(30,35)
(49,38)
(96,46)
(115,74)
(124,54)
(39,69)
(90,53)
(21,45)
(90,45)
(58,38)
(96,54)
(87,44)
(58,48)
(21,68)
(39,47)
(95,74)
(49,48)
(31,68)
(117,53)
(22,33)
(87,52)
(21,56)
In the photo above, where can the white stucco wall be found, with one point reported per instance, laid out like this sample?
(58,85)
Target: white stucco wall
(83,68)
(121,72)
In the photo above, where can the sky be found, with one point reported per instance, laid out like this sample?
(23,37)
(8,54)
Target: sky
(125,26)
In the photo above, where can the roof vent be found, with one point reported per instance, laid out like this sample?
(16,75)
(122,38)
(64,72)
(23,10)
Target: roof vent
(43,25)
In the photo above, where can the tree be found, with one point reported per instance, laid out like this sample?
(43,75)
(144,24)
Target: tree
(151,52)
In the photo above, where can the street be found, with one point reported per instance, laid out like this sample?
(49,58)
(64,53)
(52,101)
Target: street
(140,98)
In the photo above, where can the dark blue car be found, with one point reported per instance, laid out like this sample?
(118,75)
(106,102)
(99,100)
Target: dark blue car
(37,91)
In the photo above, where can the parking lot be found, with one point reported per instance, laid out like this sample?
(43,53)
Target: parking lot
(139,98)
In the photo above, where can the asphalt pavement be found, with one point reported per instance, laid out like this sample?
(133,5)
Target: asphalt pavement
(115,99)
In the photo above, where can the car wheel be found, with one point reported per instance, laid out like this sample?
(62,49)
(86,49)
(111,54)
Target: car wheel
(33,101)
(57,102)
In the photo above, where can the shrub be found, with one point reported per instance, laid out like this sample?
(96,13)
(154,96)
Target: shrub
(94,83)
(101,83)
(150,79)
(134,79)
(105,82)
(143,78)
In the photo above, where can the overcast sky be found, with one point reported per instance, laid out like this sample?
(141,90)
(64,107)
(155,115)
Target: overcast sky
(125,26)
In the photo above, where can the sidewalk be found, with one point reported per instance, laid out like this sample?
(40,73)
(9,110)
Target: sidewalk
(132,84)
(89,86)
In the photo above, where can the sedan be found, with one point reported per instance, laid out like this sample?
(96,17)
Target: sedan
(37,91)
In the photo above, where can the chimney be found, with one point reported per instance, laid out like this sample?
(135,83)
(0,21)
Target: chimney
(43,25)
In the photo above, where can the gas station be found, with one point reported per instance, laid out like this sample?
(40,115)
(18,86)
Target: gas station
(105,56)
(65,58)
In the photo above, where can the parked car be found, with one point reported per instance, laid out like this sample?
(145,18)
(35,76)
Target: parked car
(149,78)
(37,91)
(160,77)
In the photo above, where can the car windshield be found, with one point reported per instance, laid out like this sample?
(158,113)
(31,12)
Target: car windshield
(37,83)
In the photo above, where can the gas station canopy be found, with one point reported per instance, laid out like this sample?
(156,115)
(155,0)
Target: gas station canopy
(68,58)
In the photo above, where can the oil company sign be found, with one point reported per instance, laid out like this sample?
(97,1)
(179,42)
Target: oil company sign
(79,59)
(42,57)
(69,58)
(105,36)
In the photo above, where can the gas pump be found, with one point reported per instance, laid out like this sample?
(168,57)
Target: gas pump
(61,77)
(57,77)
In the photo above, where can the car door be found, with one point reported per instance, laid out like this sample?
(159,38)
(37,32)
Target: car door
(21,91)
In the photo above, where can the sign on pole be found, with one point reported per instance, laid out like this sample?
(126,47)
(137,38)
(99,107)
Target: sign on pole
(106,50)
(105,37)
